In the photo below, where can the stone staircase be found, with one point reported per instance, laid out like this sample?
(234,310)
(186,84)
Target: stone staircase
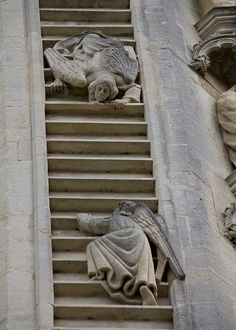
(97,156)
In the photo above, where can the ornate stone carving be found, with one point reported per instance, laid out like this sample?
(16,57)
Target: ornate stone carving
(217,51)
(97,63)
(230,223)
(226,107)
(220,19)
(202,53)
(122,258)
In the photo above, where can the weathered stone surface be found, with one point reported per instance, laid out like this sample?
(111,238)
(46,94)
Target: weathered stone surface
(100,64)
(186,124)
(122,258)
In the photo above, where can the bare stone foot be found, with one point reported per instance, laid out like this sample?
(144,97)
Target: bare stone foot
(147,296)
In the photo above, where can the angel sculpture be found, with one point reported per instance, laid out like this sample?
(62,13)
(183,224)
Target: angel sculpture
(122,258)
(95,63)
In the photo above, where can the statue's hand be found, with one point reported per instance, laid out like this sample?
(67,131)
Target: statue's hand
(83,220)
(58,87)
(119,104)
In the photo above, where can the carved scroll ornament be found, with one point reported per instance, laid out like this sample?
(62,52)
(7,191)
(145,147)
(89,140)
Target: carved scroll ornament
(122,257)
(96,63)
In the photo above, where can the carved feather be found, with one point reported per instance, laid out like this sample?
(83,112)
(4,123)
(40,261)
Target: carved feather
(155,231)
(69,71)
(118,61)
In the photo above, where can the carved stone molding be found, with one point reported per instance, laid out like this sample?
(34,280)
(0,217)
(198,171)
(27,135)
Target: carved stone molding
(221,20)
(202,51)
(207,5)
(217,50)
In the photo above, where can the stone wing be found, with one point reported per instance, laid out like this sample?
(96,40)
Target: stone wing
(69,71)
(154,228)
(119,61)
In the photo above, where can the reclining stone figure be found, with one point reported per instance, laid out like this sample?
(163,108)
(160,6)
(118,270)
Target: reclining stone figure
(99,64)
(122,258)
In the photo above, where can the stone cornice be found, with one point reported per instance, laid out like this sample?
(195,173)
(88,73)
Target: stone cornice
(221,20)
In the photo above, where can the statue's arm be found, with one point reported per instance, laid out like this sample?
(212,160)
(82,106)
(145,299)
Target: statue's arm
(133,94)
(92,225)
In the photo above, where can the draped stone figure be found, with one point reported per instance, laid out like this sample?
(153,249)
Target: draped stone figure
(122,258)
(95,63)
(226,106)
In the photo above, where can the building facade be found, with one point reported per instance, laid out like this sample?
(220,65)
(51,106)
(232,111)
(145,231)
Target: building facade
(190,162)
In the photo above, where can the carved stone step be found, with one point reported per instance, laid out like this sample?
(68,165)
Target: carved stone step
(87,119)
(87,288)
(168,326)
(100,183)
(72,28)
(90,287)
(116,4)
(74,107)
(100,297)
(98,202)
(70,262)
(76,126)
(113,312)
(65,221)
(70,243)
(100,164)
(71,234)
(111,325)
(110,145)
(49,42)
(86,15)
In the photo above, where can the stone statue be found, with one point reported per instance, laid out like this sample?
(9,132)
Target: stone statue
(230,223)
(122,258)
(226,106)
(99,64)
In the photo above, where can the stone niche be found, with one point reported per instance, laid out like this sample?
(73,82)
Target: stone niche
(216,53)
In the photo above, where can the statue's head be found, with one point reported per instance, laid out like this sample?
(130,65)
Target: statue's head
(103,88)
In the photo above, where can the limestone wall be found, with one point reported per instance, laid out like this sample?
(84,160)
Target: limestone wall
(16,207)
(191,163)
